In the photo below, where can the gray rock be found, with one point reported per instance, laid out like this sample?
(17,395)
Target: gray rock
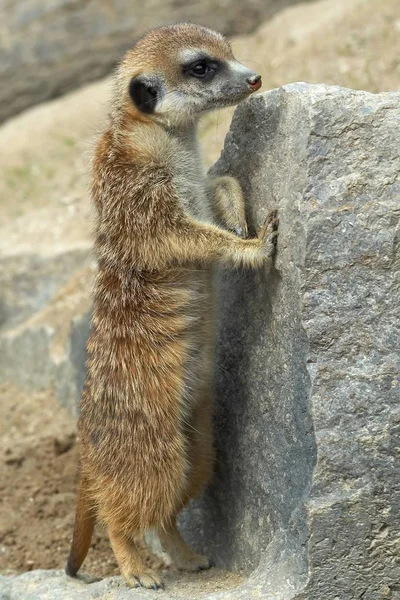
(306,494)
(308,414)
(29,280)
(44,302)
(51,46)
(49,585)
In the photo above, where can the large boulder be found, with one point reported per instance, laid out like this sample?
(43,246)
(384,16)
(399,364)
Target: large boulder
(51,46)
(307,484)
(306,496)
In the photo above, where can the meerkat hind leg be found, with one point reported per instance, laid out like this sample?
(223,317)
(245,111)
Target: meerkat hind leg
(201,458)
(153,542)
(181,554)
(133,570)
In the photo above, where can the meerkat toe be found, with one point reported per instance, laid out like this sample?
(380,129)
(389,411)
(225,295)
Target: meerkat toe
(269,232)
(149,579)
(272,217)
(195,563)
(272,221)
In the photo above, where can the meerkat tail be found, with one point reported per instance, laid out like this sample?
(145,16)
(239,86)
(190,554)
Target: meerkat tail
(84,524)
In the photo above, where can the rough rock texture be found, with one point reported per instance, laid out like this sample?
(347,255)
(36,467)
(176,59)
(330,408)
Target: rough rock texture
(44,302)
(67,42)
(308,411)
(51,585)
(306,497)
(29,280)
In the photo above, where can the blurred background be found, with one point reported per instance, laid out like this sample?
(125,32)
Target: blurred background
(56,57)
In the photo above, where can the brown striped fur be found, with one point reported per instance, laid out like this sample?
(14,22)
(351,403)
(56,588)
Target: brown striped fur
(145,430)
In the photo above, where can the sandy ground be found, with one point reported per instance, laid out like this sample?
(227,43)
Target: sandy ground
(38,482)
(37,491)
(45,157)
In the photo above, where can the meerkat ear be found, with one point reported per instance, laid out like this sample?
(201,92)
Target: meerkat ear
(144,94)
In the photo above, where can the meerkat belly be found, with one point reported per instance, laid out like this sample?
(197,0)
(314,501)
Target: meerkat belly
(201,333)
(199,359)
(193,194)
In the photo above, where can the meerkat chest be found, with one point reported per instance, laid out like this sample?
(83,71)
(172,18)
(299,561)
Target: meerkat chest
(190,181)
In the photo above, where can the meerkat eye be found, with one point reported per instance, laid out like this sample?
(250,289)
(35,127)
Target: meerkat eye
(202,69)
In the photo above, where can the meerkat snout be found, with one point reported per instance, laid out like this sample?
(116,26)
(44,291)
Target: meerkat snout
(177,73)
(254,82)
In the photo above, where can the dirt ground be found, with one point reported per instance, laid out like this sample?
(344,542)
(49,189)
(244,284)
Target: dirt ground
(39,465)
(37,491)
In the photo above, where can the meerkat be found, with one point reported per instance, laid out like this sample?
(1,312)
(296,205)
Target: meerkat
(145,425)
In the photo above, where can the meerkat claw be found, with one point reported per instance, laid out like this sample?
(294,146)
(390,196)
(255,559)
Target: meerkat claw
(272,219)
(240,231)
(269,229)
(149,580)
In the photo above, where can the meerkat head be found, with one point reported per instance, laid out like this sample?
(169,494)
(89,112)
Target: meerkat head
(176,73)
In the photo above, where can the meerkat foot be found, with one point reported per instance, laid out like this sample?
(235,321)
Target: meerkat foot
(181,554)
(197,562)
(269,232)
(132,567)
(148,579)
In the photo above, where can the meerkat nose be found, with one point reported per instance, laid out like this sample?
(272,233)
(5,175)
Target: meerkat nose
(254,82)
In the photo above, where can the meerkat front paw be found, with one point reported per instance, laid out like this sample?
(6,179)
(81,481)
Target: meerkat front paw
(268,233)
(148,579)
(197,562)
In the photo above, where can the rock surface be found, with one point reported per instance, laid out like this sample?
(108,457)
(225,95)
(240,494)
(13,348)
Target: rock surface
(306,496)
(44,307)
(68,42)
(51,584)
(308,414)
